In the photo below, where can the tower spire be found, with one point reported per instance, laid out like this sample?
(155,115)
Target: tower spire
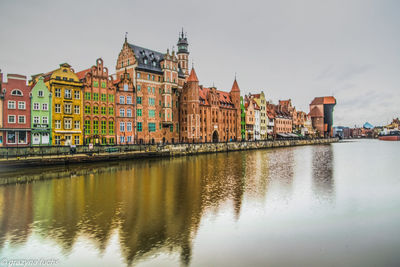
(126,37)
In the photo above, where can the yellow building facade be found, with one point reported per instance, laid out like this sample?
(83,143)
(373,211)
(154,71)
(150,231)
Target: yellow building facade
(262,103)
(67,106)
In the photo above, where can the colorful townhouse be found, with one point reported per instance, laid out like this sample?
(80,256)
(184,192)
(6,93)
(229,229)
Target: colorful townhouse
(250,118)
(16,129)
(126,129)
(242,119)
(283,122)
(262,103)
(257,121)
(271,120)
(98,105)
(1,109)
(67,106)
(40,113)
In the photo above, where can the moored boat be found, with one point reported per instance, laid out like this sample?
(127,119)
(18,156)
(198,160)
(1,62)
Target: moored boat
(391,136)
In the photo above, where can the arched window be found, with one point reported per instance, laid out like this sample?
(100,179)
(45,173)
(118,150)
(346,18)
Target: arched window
(16,92)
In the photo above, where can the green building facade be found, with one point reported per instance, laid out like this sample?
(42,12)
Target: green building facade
(40,114)
(242,119)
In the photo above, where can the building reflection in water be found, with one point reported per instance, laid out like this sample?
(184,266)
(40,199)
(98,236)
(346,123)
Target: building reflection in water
(155,205)
(323,184)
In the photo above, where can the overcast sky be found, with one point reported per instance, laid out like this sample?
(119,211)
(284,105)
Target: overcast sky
(289,49)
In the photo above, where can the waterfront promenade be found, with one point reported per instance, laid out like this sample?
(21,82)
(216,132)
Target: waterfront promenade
(33,156)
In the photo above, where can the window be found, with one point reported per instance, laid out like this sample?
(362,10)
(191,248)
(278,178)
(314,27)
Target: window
(76,139)
(36,106)
(122,112)
(138,74)
(22,138)
(11,118)
(95,110)
(21,119)
(110,111)
(103,127)
(77,124)
(125,87)
(87,127)
(122,99)
(87,95)
(77,94)
(129,139)
(139,100)
(57,124)
(111,127)
(149,89)
(40,93)
(103,85)
(129,126)
(148,75)
(11,104)
(129,100)
(36,119)
(45,120)
(87,109)
(44,106)
(67,93)
(77,109)
(122,139)
(139,88)
(67,123)
(96,96)
(67,108)
(21,104)
(139,126)
(154,90)
(111,98)
(122,126)
(58,92)
(151,101)
(152,127)
(129,113)
(139,112)
(57,140)
(95,84)
(95,127)
(103,97)
(171,128)
(16,92)
(103,111)
(11,138)
(152,113)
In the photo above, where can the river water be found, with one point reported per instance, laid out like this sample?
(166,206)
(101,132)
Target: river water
(322,205)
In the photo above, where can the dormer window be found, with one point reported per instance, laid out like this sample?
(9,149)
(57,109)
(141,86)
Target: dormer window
(154,63)
(145,61)
(16,92)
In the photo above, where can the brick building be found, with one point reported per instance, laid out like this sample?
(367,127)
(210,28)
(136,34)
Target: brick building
(126,129)
(158,79)
(1,109)
(99,104)
(250,117)
(321,112)
(262,103)
(16,129)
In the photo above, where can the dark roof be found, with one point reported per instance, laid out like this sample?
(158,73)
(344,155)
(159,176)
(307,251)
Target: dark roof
(142,53)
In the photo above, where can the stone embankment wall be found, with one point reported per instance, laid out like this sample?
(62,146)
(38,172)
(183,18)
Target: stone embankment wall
(61,155)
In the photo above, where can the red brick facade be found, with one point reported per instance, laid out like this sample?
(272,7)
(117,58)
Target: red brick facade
(125,111)
(16,129)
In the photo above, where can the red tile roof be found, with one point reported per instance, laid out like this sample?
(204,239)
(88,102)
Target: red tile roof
(82,73)
(192,77)
(323,100)
(116,81)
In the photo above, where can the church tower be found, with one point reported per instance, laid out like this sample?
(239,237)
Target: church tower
(183,53)
(235,96)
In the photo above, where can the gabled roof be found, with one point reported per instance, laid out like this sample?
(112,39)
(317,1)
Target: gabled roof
(192,77)
(315,112)
(82,73)
(235,87)
(323,100)
(151,56)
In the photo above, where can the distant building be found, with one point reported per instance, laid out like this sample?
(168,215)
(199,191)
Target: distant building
(1,109)
(321,112)
(242,119)
(341,132)
(250,118)
(16,128)
(262,103)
